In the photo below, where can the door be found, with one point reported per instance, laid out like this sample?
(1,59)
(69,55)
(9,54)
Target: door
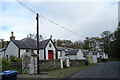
(50,55)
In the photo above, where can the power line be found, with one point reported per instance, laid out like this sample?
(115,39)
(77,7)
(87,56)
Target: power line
(49,20)
(26,6)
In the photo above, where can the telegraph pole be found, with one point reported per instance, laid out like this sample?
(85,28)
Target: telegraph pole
(37,18)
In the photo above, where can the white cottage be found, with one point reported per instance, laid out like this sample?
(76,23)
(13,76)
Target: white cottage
(47,49)
(61,52)
(94,56)
(75,54)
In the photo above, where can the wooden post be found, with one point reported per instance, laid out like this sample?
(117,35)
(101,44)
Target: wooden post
(37,18)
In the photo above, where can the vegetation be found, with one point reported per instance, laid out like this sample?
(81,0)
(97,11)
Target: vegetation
(7,64)
(109,42)
(66,71)
(34,36)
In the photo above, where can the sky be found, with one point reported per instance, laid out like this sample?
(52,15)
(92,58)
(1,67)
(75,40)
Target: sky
(88,18)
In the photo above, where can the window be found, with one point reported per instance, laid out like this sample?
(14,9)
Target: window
(50,45)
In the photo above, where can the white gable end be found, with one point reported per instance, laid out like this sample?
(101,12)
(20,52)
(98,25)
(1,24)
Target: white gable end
(80,55)
(12,49)
(50,46)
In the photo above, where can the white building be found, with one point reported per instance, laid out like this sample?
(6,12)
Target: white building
(94,56)
(75,54)
(102,55)
(61,53)
(47,49)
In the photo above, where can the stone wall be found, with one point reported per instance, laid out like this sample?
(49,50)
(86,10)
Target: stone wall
(46,65)
(77,63)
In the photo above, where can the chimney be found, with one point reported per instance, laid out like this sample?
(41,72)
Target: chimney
(12,36)
(55,42)
(51,37)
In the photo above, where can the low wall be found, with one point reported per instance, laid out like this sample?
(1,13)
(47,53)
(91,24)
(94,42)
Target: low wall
(77,63)
(46,65)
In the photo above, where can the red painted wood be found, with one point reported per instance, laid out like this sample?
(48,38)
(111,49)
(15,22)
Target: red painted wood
(50,55)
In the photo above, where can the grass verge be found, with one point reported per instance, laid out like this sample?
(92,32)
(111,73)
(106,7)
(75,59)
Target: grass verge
(66,71)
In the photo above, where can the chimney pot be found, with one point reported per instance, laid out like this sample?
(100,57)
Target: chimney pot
(12,36)
(51,37)
(12,33)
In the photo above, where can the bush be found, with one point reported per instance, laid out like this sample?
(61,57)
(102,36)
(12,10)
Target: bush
(13,59)
(6,65)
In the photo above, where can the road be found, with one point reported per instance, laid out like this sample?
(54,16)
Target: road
(100,70)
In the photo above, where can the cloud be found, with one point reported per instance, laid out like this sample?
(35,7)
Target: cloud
(62,0)
(87,19)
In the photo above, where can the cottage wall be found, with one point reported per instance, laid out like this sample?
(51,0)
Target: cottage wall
(90,57)
(41,54)
(12,49)
(80,55)
(59,54)
(63,55)
(94,58)
(50,48)
(72,57)
(106,56)
(98,55)
(22,51)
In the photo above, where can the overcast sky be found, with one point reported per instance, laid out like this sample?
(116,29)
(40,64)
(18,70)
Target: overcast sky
(85,18)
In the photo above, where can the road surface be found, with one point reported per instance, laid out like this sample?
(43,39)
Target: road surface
(100,70)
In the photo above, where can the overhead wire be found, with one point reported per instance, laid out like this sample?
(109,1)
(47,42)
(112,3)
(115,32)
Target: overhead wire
(49,20)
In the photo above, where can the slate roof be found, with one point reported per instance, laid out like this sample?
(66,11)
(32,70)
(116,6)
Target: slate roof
(64,49)
(72,52)
(43,44)
(85,52)
(60,48)
(29,43)
(3,49)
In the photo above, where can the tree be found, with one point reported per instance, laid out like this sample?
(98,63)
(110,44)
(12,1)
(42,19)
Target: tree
(94,43)
(115,46)
(70,44)
(33,36)
(78,44)
(86,43)
(106,38)
(64,43)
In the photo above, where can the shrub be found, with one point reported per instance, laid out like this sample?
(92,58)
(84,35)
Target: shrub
(6,65)
(13,59)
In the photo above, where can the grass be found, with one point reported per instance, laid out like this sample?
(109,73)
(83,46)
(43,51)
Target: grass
(66,71)
(92,64)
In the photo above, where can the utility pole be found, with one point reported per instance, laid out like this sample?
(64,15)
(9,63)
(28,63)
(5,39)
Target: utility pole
(37,18)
